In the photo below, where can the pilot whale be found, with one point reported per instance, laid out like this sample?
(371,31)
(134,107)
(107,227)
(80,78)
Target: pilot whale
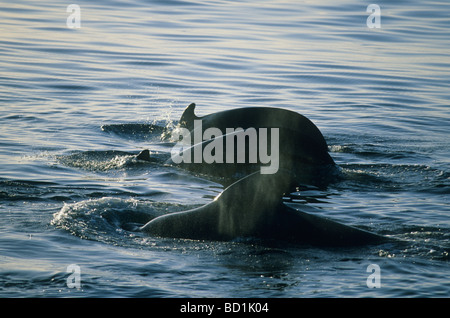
(252,207)
(299,136)
(300,146)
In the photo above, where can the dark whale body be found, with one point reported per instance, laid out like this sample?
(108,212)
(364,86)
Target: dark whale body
(302,147)
(299,137)
(252,207)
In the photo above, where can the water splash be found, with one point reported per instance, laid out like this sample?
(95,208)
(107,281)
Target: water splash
(109,220)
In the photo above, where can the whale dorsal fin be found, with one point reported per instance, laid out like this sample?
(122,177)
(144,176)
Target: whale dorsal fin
(188,117)
(243,209)
(248,206)
(144,155)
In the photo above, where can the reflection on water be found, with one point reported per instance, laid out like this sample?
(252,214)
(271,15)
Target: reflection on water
(77,103)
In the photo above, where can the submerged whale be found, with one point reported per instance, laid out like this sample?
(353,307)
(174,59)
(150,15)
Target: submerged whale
(253,208)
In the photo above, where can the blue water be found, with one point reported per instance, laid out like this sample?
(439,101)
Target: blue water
(75,102)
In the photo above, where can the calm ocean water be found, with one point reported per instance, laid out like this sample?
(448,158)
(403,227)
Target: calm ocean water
(75,101)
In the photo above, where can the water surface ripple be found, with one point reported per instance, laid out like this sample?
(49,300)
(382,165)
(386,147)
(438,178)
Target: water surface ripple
(77,103)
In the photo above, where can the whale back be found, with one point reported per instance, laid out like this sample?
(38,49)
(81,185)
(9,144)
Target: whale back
(300,144)
(249,206)
(299,137)
(253,207)
(246,208)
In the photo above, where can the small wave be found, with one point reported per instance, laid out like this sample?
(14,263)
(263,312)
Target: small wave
(102,160)
(410,177)
(369,151)
(429,242)
(141,131)
(25,190)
